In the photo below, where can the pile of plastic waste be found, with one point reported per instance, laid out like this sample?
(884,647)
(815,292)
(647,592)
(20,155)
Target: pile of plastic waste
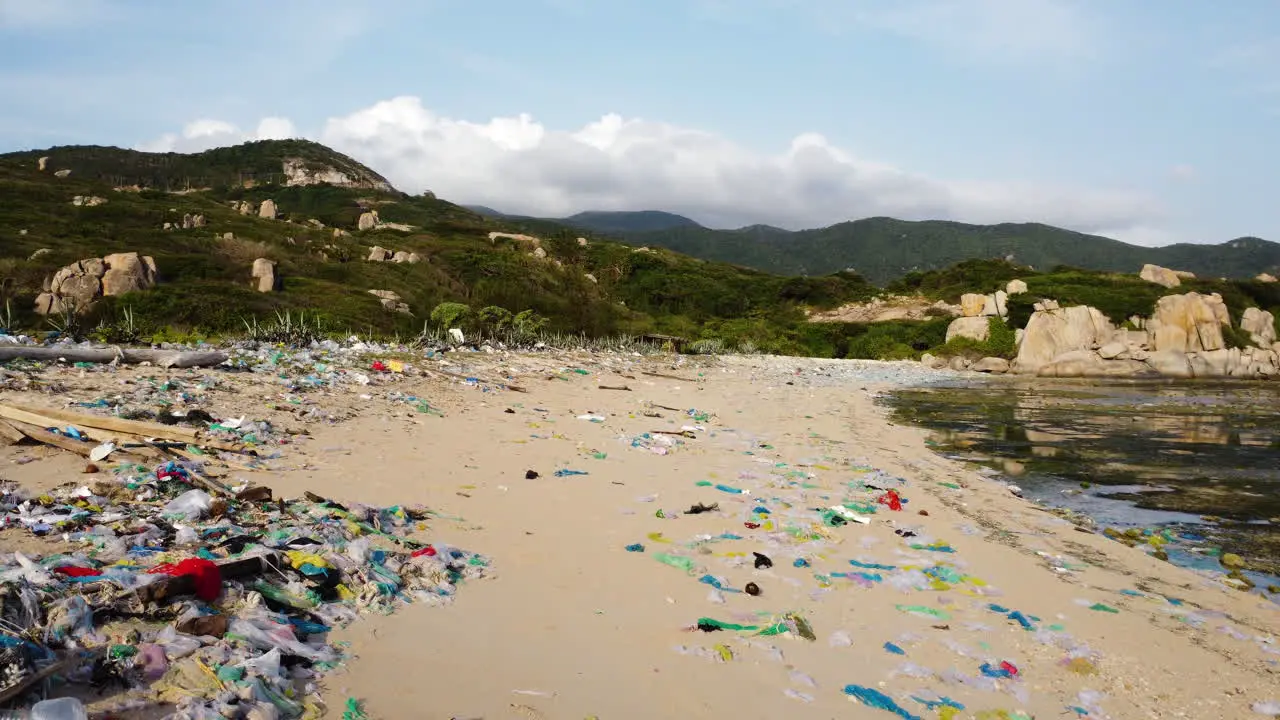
(210,605)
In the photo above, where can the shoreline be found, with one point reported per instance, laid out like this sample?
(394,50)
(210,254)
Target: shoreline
(573,625)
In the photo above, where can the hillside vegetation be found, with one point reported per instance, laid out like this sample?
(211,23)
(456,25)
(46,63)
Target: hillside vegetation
(205,286)
(884,249)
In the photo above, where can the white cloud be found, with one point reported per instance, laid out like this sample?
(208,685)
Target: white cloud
(205,133)
(517,165)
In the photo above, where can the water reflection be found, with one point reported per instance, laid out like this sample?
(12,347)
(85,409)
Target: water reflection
(1127,453)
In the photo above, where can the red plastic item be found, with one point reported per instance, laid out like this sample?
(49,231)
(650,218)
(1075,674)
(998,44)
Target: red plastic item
(1006,665)
(378,366)
(207,576)
(752,526)
(428,551)
(891,499)
(72,571)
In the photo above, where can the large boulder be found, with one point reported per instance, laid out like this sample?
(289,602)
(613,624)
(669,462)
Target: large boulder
(126,273)
(268,210)
(1265,277)
(1188,323)
(379,254)
(1160,275)
(368,220)
(974,328)
(1016,287)
(1171,363)
(972,304)
(1086,363)
(992,365)
(264,274)
(1261,326)
(1050,333)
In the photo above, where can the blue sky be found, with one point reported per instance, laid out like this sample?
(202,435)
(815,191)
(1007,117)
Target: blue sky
(1151,122)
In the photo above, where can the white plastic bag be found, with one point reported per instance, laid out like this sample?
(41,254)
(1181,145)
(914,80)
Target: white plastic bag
(192,504)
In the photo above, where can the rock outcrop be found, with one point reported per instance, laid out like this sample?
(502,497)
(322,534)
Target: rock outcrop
(978,305)
(494,236)
(1261,326)
(75,287)
(244,207)
(43,163)
(1265,277)
(1182,339)
(264,275)
(298,171)
(391,301)
(1188,323)
(974,328)
(88,201)
(884,309)
(1057,331)
(1016,287)
(994,365)
(1160,276)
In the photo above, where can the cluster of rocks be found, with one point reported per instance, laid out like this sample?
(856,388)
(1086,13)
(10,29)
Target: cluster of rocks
(267,210)
(888,309)
(369,220)
(88,201)
(74,288)
(189,222)
(1183,338)
(976,310)
(381,254)
(391,301)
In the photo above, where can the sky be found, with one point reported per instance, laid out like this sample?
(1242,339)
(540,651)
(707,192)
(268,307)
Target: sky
(1151,122)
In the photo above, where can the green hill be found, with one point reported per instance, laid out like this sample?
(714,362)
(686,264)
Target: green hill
(205,286)
(884,249)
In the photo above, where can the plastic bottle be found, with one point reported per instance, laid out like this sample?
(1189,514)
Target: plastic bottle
(59,709)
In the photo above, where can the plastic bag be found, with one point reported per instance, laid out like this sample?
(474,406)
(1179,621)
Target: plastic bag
(266,665)
(192,504)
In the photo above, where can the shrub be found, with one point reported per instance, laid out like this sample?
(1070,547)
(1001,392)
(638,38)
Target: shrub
(450,314)
(1000,342)
(493,319)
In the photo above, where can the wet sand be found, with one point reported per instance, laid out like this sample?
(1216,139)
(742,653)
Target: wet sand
(572,625)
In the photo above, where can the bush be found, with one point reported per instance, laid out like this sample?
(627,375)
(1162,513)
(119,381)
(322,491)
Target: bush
(1000,342)
(450,314)
(493,319)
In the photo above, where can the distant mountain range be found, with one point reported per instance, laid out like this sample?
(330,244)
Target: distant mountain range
(883,249)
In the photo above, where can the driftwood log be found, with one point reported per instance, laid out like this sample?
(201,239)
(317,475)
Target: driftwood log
(128,356)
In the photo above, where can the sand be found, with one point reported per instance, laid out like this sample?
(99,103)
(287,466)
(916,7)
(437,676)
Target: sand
(572,625)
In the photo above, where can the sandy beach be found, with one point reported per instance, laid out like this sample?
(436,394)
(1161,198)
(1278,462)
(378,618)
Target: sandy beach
(913,604)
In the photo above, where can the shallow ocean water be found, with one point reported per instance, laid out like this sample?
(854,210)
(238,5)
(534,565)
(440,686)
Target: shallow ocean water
(1197,464)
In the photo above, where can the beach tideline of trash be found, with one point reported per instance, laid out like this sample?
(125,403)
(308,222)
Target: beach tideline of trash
(181,588)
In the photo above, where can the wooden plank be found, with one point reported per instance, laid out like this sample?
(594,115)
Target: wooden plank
(10,434)
(139,428)
(40,435)
(135,427)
